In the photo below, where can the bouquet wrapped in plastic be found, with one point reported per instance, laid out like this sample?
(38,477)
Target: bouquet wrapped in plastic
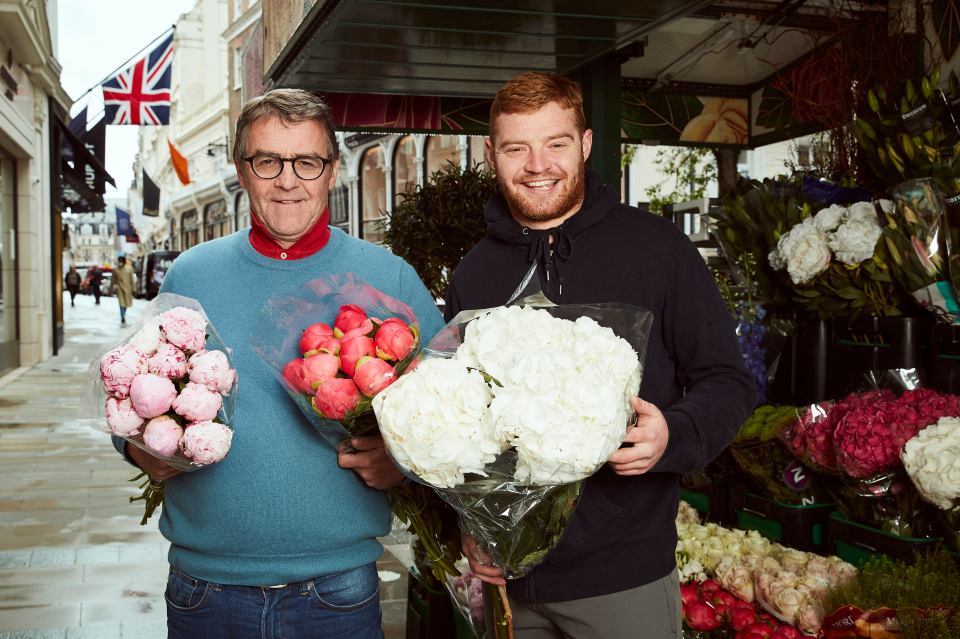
(333,345)
(509,409)
(774,472)
(167,388)
(860,438)
(930,460)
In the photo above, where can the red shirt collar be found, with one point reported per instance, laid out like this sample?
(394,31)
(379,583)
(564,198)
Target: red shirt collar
(314,240)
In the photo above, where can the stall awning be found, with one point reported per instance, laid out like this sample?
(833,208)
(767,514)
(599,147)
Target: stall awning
(432,65)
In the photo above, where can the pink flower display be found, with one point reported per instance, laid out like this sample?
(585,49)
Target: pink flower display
(162,435)
(372,375)
(394,339)
(336,397)
(296,376)
(314,336)
(119,367)
(122,418)
(349,318)
(197,403)
(184,328)
(320,367)
(351,350)
(151,395)
(206,442)
(169,361)
(212,369)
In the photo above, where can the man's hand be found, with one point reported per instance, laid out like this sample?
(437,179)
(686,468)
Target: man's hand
(156,468)
(371,462)
(649,438)
(480,563)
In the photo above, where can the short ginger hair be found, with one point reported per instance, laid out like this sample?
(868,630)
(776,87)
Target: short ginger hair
(531,91)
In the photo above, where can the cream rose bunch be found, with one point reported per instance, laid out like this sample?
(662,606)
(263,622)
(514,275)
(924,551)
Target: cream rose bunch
(930,459)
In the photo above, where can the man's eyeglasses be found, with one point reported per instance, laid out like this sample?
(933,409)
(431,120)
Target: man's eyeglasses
(268,166)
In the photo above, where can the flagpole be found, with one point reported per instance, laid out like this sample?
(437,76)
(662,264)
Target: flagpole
(173,27)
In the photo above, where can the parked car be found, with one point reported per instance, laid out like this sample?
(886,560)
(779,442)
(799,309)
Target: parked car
(153,268)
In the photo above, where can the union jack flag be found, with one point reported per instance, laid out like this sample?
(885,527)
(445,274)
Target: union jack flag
(140,93)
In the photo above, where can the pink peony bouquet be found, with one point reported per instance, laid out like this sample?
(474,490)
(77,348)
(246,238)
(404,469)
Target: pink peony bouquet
(167,388)
(334,347)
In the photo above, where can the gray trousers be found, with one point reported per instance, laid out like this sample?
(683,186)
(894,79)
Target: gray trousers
(648,612)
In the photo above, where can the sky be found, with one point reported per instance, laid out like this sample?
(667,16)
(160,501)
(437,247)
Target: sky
(94,39)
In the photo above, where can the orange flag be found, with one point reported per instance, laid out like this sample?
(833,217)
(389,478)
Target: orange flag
(180,164)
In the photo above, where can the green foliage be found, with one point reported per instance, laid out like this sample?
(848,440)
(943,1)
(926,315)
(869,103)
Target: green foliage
(766,422)
(435,225)
(926,595)
(907,133)
(690,170)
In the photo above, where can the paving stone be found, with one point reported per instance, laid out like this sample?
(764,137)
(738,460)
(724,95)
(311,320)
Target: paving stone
(15,558)
(53,557)
(95,631)
(34,634)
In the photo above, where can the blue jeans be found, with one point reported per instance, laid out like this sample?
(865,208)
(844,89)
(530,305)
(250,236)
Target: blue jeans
(344,605)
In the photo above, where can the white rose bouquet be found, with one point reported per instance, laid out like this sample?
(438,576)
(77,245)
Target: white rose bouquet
(167,387)
(509,409)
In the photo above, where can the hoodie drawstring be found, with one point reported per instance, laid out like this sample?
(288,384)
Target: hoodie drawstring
(551,255)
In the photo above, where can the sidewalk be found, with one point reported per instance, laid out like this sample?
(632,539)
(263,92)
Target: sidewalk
(74,561)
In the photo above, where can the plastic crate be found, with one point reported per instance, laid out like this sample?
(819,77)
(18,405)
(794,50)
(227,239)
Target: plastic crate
(943,363)
(800,526)
(875,343)
(856,543)
(430,613)
(713,503)
(462,627)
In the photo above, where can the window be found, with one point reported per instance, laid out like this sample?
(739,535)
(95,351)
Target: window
(215,220)
(404,167)
(477,150)
(373,194)
(340,207)
(237,68)
(242,208)
(190,233)
(441,149)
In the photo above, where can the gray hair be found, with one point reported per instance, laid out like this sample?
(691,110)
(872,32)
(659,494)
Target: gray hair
(292,106)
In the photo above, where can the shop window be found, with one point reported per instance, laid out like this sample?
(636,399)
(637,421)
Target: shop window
(442,150)
(242,207)
(190,230)
(477,151)
(404,167)
(373,194)
(215,220)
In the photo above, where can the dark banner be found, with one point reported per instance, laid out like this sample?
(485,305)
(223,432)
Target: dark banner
(151,196)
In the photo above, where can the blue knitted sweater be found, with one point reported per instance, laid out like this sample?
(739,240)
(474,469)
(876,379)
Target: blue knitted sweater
(278,509)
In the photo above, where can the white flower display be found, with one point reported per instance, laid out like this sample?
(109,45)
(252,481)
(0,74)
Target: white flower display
(855,239)
(788,583)
(806,252)
(829,219)
(436,421)
(559,396)
(930,459)
(849,234)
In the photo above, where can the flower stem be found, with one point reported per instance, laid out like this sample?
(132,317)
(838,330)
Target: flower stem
(152,496)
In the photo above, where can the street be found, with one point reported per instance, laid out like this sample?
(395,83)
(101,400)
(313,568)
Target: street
(74,561)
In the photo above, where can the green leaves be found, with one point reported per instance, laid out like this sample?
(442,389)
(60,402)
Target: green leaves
(435,225)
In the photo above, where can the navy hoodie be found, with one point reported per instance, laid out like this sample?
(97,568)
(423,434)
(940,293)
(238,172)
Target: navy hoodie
(623,532)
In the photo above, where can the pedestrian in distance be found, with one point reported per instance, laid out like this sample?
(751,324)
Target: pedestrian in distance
(72,281)
(95,280)
(613,574)
(122,284)
(280,538)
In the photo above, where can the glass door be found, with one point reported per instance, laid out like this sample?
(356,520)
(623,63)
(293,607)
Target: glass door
(9,347)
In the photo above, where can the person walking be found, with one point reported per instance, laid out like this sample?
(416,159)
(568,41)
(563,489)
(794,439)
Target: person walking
(613,575)
(95,278)
(72,280)
(122,286)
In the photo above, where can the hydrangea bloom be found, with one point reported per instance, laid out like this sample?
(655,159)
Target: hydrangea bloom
(559,396)
(930,459)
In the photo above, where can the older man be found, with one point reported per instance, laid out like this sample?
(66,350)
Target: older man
(279,539)
(613,574)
